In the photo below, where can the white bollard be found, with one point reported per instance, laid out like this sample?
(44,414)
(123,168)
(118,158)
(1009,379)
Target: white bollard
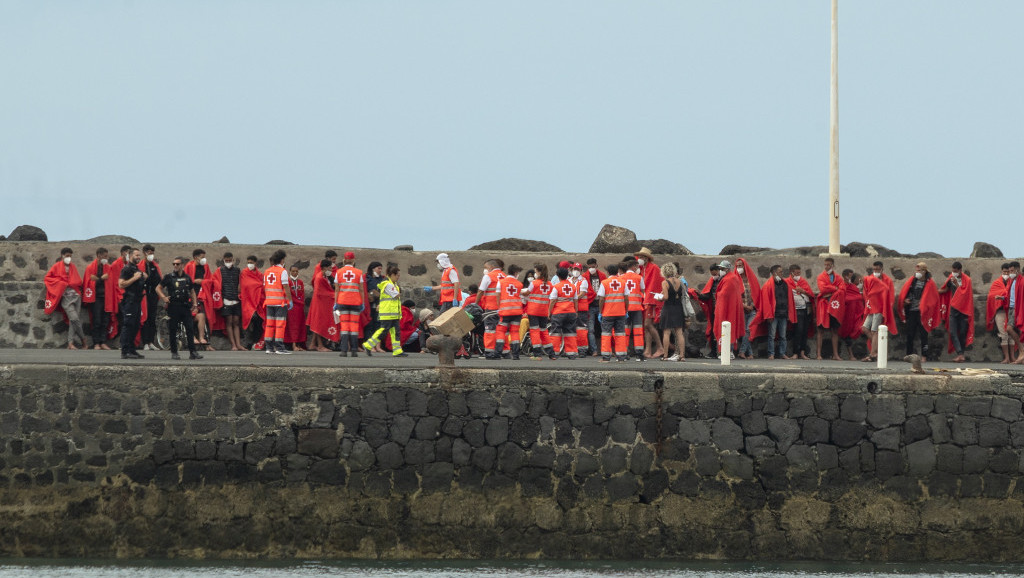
(883,347)
(725,344)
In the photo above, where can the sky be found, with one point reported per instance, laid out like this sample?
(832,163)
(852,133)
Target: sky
(447,123)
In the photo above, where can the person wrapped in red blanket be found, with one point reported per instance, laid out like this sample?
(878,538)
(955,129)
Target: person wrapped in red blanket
(918,307)
(956,306)
(64,292)
(830,307)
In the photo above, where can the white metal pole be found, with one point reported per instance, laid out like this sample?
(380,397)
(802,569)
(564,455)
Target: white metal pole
(725,344)
(833,173)
(883,347)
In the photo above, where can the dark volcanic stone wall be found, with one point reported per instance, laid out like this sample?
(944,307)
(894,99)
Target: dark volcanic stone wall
(273,462)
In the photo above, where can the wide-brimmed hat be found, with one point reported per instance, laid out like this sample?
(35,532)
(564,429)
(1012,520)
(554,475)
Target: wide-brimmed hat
(644,252)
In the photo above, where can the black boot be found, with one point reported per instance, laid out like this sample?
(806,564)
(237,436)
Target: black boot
(515,351)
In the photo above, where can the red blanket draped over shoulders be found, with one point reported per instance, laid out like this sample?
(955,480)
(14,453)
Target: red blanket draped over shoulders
(295,330)
(930,317)
(321,309)
(831,302)
(961,299)
(57,280)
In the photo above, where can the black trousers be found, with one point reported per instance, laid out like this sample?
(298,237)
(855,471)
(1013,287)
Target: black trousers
(131,318)
(178,313)
(149,327)
(915,330)
(100,321)
(800,332)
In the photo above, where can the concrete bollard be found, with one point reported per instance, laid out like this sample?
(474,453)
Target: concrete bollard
(883,347)
(445,347)
(725,344)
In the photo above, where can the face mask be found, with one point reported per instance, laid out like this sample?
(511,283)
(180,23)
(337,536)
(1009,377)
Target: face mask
(103,261)
(251,266)
(796,277)
(202,261)
(1013,275)
(956,275)
(150,257)
(1005,277)
(919,275)
(740,270)
(67,260)
(529,279)
(642,261)
(876,273)
(575,273)
(777,278)
(593,271)
(229,264)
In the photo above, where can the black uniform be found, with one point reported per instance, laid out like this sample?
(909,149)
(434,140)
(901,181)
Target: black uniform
(131,309)
(178,287)
(100,317)
(149,327)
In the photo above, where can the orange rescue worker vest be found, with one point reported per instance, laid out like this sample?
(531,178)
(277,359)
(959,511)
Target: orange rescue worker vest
(447,286)
(510,299)
(582,299)
(565,298)
(539,298)
(350,282)
(614,297)
(273,288)
(632,283)
(490,299)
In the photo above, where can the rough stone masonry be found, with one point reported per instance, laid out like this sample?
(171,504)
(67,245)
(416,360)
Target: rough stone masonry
(374,463)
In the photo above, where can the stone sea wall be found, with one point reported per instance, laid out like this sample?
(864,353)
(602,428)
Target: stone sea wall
(371,463)
(24,264)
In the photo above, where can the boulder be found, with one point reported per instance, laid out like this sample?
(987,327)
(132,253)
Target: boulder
(513,244)
(403,248)
(742,250)
(856,249)
(27,233)
(278,242)
(986,251)
(664,247)
(927,255)
(301,264)
(114,243)
(223,239)
(614,239)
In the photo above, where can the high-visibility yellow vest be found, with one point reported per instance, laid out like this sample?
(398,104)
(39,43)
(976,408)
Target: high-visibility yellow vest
(390,308)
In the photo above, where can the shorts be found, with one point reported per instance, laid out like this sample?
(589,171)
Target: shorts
(231,310)
(833,324)
(872,321)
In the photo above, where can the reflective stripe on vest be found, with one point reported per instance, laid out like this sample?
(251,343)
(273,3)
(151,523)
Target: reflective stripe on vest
(350,285)
(582,301)
(390,308)
(490,298)
(564,296)
(510,301)
(273,288)
(636,296)
(447,287)
(539,298)
(614,297)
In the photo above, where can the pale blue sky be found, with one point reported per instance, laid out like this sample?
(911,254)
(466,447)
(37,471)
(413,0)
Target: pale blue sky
(448,123)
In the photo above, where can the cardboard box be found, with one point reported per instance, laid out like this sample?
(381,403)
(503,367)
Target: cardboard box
(455,323)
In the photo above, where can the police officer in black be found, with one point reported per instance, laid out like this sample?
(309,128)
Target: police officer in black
(132,282)
(176,290)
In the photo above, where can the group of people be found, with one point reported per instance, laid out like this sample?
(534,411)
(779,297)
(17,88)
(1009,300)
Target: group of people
(842,307)
(265,308)
(631,309)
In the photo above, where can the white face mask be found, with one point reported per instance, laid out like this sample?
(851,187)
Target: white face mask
(67,260)
(740,270)
(593,270)
(1005,277)
(529,279)
(919,275)
(796,277)
(229,264)
(202,261)
(642,261)
(150,257)
(777,278)
(1013,275)
(103,261)
(956,275)
(876,273)
(575,273)
(251,266)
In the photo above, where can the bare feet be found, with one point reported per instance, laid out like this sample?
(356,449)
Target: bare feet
(322,349)
(771,358)
(1005,360)
(804,356)
(233,348)
(71,345)
(97,347)
(298,348)
(105,346)
(837,358)
(658,353)
(959,359)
